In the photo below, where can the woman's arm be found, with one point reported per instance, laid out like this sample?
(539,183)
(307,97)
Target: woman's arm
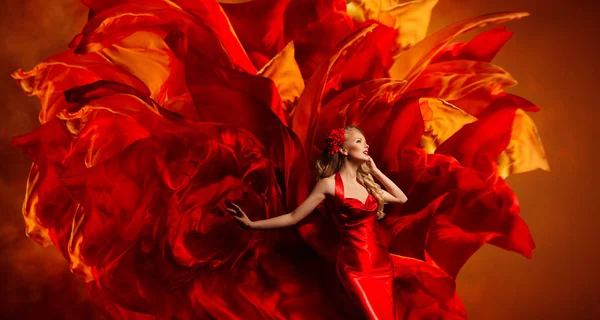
(323,187)
(395,195)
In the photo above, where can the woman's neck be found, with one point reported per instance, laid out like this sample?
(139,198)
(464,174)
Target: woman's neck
(349,170)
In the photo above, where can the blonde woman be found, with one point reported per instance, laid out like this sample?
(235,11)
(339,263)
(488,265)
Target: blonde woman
(345,172)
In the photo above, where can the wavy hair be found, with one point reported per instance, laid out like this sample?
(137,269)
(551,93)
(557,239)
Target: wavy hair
(330,164)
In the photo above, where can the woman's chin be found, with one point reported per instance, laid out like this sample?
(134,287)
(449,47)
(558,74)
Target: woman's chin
(362,158)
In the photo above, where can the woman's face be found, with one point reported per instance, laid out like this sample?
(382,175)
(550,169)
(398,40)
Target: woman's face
(355,146)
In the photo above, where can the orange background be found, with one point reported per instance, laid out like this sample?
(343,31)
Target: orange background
(553,54)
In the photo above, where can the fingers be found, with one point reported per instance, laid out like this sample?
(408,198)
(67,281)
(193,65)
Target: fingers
(238,214)
(236,206)
(234,212)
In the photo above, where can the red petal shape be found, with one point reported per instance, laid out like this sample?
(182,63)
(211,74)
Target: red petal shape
(316,27)
(396,133)
(204,24)
(427,289)
(468,220)
(470,85)
(68,70)
(410,63)
(370,59)
(478,144)
(483,47)
(47,203)
(262,38)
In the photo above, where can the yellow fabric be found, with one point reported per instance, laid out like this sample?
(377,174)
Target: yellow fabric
(524,151)
(441,120)
(410,19)
(284,71)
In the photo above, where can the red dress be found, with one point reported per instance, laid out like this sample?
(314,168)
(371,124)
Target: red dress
(363,263)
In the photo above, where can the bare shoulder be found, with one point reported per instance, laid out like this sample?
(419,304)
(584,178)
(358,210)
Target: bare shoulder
(326,185)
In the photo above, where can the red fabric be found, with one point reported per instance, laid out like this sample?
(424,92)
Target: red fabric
(263,36)
(156,118)
(316,27)
(483,47)
(461,73)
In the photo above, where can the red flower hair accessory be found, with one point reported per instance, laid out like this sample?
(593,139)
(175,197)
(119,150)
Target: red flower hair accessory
(334,140)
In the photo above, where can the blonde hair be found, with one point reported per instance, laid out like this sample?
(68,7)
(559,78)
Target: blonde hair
(330,164)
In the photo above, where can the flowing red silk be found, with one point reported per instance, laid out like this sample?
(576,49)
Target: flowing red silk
(155,118)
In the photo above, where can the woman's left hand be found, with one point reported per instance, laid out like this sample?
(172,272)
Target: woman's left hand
(371,165)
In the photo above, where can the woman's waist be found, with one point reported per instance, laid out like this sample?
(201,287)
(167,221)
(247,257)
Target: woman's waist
(358,234)
(355,219)
(357,227)
(362,247)
(363,255)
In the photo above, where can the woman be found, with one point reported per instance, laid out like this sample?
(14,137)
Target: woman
(364,265)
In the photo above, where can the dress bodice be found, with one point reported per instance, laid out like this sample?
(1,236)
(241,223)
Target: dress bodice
(352,211)
(360,250)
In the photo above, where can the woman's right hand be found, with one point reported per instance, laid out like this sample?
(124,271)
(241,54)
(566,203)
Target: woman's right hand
(240,215)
